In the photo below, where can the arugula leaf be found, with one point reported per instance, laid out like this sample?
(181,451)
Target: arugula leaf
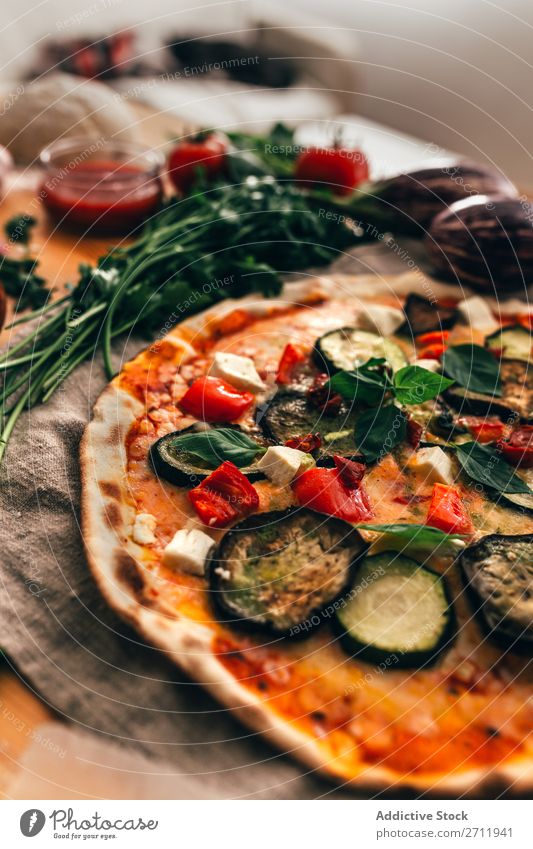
(414,385)
(366,383)
(420,537)
(219,444)
(378,431)
(473,367)
(486,466)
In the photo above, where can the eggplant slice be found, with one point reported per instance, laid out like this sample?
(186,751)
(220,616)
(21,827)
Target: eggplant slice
(183,468)
(348,347)
(499,571)
(516,398)
(291,414)
(422,316)
(279,571)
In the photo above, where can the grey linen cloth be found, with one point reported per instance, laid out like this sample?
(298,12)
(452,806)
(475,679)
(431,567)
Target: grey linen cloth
(76,654)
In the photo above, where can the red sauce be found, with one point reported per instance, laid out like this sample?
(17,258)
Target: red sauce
(104,195)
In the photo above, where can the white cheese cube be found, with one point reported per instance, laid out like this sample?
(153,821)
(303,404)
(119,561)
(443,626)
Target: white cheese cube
(281,464)
(239,371)
(476,312)
(430,365)
(433,465)
(187,551)
(143,529)
(380,319)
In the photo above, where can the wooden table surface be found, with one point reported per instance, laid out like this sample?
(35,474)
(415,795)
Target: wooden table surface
(59,254)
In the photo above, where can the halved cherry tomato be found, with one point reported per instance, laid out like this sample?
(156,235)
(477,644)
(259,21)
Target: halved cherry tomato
(350,472)
(205,152)
(339,168)
(307,443)
(323,490)
(213,400)
(432,337)
(432,352)
(225,494)
(414,433)
(447,511)
(518,449)
(291,356)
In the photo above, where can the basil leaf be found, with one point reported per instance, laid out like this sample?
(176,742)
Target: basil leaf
(378,431)
(219,444)
(414,384)
(473,367)
(485,465)
(365,383)
(418,536)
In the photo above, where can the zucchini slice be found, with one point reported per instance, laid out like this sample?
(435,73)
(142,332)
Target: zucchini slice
(499,571)
(184,468)
(517,394)
(522,501)
(290,414)
(279,571)
(348,347)
(514,342)
(398,609)
(422,315)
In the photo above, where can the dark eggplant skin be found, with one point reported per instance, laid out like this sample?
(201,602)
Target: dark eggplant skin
(347,536)
(422,316)
(498,572)
(515,401)
(415,198)
(484,242)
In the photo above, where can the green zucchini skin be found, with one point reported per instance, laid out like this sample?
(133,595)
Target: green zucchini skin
(310,558)
(514,341)
(498,572)
(394,651)
(182,471)
(291,414)
(348,347)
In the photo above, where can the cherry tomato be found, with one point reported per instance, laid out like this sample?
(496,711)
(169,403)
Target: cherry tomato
(213,400)
(308,443)
(350,472)
(292,355)
(439,336)
(204,152)
(447,511)
(323,490)
(518,449)
(223,496)
(339,168)
(432,352)
(414,433)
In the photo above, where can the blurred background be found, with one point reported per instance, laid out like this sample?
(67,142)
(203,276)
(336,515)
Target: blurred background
(455,74)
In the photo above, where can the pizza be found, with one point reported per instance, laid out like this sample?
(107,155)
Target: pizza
(319,507)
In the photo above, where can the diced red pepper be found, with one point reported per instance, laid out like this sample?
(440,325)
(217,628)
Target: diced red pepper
(414,433)
(432,352)
(223,496)
(323,490)
(486,431)
(518,449)
(321,396)
(447,511)
(526,320)
(308,443)
(350,472)
(291,356)
(432,337)
(213,400)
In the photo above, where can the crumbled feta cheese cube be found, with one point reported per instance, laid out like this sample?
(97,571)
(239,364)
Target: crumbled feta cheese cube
(239,371)
(433,465)
(380,319)
(188,550)
(430,365)
(281,464)
(476,312)
(143,529)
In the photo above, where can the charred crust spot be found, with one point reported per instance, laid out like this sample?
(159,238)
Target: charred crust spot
(129,573)
(113,515)
(111,489)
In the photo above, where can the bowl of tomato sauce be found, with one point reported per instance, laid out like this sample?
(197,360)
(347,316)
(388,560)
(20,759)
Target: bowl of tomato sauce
(100,186)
